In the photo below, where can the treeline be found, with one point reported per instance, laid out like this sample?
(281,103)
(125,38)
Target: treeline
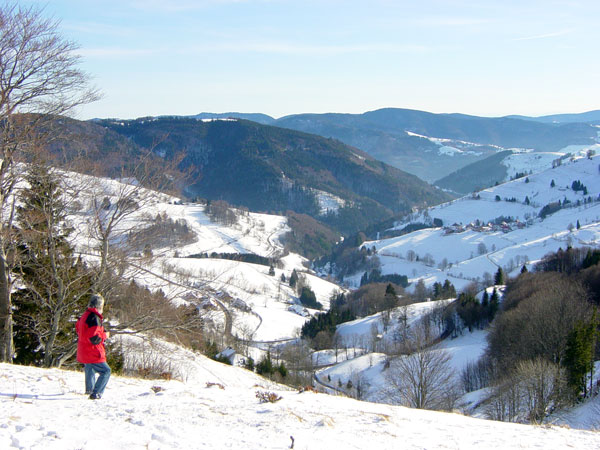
(349,257)
(476,313)
(328,321)
(375,276)
(543,342)
(221,212)
(308,236)
(251,258)
(162,231)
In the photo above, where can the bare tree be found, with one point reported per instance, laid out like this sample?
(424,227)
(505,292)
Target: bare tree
(530,393)
(39,80)
(423,379)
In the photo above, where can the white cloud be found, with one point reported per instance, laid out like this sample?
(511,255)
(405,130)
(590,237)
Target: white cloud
(544,36)
(301,49)
(179,5)
(112,52)
(99,29)
(449,21)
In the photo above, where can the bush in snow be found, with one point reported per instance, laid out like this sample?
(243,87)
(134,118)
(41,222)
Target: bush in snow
(267,397)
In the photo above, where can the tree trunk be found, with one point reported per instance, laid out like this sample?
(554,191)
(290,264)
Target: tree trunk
(6,323)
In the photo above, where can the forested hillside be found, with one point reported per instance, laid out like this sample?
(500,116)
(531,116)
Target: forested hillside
(434,145)
(274,169)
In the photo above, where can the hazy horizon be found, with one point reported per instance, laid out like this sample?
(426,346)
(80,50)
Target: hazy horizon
(280,57)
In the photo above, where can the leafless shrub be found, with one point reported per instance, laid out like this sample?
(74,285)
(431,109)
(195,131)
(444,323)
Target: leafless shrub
(267,397)
(307,388)
(152,366)
(530,393)
(137,310)
(423,378)
(476,375)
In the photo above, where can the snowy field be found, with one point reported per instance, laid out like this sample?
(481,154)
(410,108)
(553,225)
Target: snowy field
(45,409)
(230,286)
(462,254)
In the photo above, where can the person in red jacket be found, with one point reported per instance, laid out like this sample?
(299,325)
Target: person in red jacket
(90,347)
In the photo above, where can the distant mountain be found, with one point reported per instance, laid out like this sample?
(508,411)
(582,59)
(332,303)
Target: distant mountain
(476,176)
(435,145)
(585,117)
(269,168)
(254,117)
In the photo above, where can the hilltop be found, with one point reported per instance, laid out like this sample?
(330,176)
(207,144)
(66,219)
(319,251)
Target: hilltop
(45,408)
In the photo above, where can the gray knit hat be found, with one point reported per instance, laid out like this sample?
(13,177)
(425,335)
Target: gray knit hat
(96,301)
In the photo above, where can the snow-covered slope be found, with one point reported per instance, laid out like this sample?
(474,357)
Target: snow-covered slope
(258,306)
(471,246)
(45,409)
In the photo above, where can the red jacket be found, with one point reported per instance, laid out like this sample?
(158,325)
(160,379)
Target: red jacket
(90,345)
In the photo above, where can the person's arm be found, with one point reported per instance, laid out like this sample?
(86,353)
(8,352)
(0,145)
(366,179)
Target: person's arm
(95,329)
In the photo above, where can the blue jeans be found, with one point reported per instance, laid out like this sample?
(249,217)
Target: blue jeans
(93,386)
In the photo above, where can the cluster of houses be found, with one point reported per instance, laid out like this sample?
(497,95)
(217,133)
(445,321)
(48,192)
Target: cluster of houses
(504,226)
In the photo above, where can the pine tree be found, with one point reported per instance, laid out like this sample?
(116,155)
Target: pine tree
(499,278)
(364,279)
(282,370)
(54,282)
(391,298)
(448,290)
(494,305)
(265,365)
(293,279)
(485,299)
(579,355)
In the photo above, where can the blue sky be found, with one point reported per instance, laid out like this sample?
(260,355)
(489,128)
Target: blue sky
(280,57)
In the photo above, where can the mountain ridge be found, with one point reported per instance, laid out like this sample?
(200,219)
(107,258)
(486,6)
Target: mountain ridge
(415,141)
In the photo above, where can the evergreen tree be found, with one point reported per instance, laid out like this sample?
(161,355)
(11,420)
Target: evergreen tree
(309,299)
(265,365)
(282,370)
(494,305)
(470,311)
(579,355)
(499,278)
(524,269)
(591,258)
(364,279)
(578,224)
(249,364)
(485,299)
(54,284)
(552,184)
(390,296)
(448,290)
(272,271)
(293,279)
